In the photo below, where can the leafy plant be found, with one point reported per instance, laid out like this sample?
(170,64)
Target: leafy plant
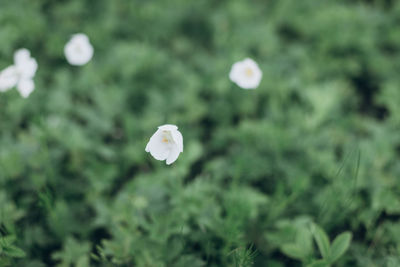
(302,249)
(316,142)
(330,252)
(8,251)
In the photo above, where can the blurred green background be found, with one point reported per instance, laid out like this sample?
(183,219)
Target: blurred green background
(303,171)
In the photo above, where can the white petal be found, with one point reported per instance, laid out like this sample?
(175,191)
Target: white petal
(168,127)
(25,65)
(156,147)
(247,83)
(80,37)
(27,69)
(235,71)
(156,136)
(249,62)
(178,139)
(21,55)
(8,78)
(173,156)
(25,87)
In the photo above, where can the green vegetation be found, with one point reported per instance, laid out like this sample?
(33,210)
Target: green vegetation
(302,171)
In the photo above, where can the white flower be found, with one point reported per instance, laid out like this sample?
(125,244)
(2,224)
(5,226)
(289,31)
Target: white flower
(246,74)
(78,50)
(20,74)
(166,143)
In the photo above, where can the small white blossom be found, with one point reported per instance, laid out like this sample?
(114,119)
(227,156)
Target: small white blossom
(78,50)
(20,74)
(246,74)
(166,143)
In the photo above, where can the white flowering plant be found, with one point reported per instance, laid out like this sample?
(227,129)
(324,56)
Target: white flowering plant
(78,50)
(199,133)
(19,75)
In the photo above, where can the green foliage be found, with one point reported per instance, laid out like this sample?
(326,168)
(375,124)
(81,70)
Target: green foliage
(8,251)
(322,241)
(266,175)
(339,246)
(73,253)
(302,249)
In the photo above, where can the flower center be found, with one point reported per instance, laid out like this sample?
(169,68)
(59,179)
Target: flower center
(249,72)
(166,137)
(78,49)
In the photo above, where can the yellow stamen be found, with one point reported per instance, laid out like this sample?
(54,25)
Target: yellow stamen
(249,72)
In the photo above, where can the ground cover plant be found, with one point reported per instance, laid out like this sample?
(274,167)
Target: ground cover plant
(301,171)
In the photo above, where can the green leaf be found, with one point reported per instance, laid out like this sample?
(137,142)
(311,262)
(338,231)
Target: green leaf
(294,251)
(82,261)
(14,252)
(5,262)
(7,240)
(304,240)
(340,245)
(319,263)
(322,241)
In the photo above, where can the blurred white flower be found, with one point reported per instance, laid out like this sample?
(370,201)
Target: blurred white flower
(246,74)
(166,143)
(78,50)
(20,74)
